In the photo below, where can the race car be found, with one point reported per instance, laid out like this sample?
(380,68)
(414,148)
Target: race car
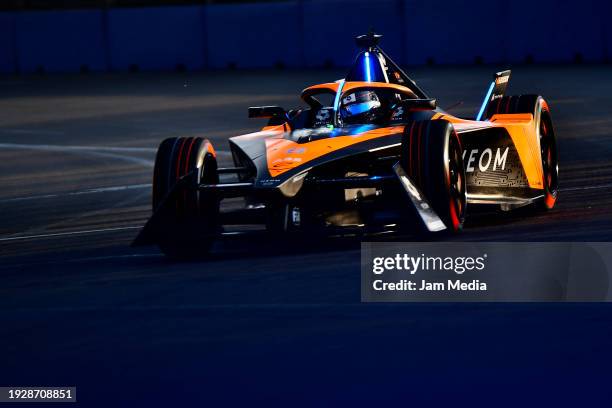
(369,152)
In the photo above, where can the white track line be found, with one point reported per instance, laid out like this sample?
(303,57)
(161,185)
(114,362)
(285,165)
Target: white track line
(61,234)
(100,151)
(76,193)
(62,148)
(43,236)
(600,186)
(135,160)
(32,132)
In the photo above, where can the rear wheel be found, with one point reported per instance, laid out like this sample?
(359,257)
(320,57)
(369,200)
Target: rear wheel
(548,151)
(190,220)
(432,157)
(537,106)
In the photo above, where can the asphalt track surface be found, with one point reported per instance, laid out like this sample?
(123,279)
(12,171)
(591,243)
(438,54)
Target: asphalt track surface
(262,319)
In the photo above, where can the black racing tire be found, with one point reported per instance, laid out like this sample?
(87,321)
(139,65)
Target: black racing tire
(550,158)
(191,220)
(537,106)
(432,157)
(512,104)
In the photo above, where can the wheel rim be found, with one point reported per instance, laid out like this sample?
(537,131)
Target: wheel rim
(549,157)
(456,181)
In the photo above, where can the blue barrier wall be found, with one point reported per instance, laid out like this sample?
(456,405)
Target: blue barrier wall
(8,63)
(607,41)
(454,33)
(253,35)
(304,33)
(156,38)
(556,31)
(330,26)
(60,41)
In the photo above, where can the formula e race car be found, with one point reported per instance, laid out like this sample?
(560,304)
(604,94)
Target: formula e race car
(371,151)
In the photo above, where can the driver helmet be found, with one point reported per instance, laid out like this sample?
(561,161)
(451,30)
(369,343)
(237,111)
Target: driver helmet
(361,107)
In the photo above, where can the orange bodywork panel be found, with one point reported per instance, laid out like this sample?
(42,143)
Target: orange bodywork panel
(283,154)
(348,86)
(521,128)
(280,128)
(330,86)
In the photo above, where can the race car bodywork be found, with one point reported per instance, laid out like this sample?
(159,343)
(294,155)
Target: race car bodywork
(416,166)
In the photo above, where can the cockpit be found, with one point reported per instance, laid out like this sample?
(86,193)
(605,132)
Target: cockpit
(354,103)
(375,92)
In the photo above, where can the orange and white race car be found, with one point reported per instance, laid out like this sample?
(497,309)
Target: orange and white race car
(370,151)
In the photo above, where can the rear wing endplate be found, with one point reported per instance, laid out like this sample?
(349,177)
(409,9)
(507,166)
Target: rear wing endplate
(496,90)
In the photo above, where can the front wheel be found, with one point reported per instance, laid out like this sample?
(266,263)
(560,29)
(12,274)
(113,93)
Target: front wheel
(190,218)
(432,157)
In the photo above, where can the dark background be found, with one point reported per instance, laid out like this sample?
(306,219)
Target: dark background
(116,36)
(80,4)
(89,89)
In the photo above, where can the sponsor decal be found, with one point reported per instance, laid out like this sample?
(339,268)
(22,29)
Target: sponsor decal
(287,160)
(485,159)
(349,99)
(502,80)
(323,115)
(383,62)
(319,132)
(267,182)
(398,113)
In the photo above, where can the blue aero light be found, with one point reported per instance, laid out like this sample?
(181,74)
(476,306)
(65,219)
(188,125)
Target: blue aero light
(486,101)
(368,73)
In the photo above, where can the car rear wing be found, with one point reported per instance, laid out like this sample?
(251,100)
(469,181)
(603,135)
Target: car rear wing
(496,90)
